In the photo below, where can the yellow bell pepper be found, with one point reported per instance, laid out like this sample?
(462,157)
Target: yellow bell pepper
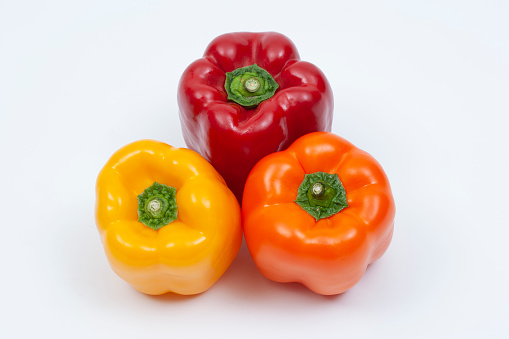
(167,220)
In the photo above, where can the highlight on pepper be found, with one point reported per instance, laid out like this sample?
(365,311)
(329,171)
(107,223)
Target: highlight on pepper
(167,220)
(318,213)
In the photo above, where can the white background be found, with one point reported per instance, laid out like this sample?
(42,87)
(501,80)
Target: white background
(421,85)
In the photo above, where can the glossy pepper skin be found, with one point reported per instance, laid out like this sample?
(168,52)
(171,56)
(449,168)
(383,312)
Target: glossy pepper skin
(186,256)
(234,137)
(331,254)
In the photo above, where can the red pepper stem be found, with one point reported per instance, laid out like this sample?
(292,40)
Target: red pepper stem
(252,85)
(249,86)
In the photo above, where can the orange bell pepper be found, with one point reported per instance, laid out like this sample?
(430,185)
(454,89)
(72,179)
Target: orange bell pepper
(167,220)
(318,213)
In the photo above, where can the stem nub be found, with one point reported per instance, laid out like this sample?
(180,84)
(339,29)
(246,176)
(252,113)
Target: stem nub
(252,85)
(154,205)
(318,189)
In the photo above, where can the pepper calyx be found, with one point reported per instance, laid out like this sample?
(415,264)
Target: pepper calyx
(321,195)
(157,206)
(249,86)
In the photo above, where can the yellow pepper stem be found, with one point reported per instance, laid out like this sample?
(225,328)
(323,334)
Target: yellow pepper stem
(157,206)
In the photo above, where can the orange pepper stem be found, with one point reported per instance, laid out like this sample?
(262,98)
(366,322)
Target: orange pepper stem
(321,195)
(317,189)
(157,206)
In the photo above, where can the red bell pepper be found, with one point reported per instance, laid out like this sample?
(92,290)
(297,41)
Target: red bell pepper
(248,96)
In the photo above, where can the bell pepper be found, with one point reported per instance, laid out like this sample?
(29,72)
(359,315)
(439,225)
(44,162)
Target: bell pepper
(167,220)
(248,96)
(318,213)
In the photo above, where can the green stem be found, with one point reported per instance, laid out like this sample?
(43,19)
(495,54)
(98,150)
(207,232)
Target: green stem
(250,85)
(157,206)
(318,189)
(321,195)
